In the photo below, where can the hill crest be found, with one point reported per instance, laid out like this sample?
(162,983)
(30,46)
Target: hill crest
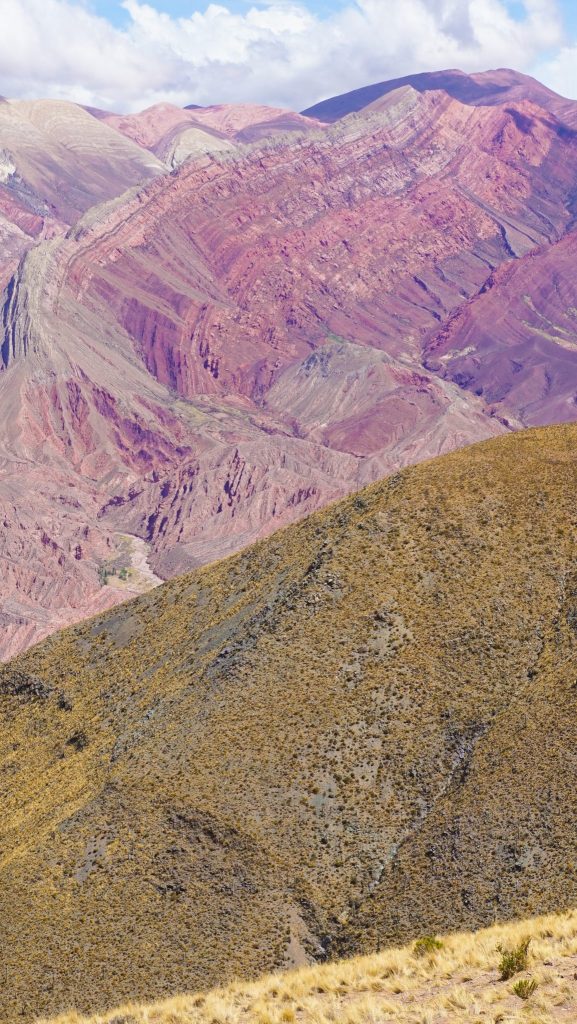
(457,980)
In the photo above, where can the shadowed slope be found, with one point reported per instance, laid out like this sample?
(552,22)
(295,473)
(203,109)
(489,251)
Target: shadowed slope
(305,748)
(515,343)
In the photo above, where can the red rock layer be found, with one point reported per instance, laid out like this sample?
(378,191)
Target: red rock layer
(56,162)
(515,344)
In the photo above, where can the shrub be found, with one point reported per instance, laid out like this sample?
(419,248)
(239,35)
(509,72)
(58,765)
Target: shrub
(513,960)
(525,987)
(426,945)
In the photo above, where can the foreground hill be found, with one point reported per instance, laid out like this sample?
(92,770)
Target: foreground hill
(272,325)
(357,731)
(458,981)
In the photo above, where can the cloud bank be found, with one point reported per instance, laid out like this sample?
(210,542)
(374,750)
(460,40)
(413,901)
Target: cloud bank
(279,52)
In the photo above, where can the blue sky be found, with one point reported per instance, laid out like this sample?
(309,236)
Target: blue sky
(569,8)
(117,14)
(286,53)
(114,12)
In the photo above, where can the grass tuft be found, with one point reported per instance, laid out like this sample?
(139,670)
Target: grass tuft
(513,961)
(457,984)
(525,987)
(427,945)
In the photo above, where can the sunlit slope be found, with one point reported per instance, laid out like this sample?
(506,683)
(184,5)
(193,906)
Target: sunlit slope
(359,730)
(458,981)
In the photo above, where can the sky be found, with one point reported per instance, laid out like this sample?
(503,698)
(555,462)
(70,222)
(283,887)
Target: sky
(129,54)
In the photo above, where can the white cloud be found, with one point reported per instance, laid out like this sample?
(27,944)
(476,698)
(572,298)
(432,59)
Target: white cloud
(278,53)
(559,72)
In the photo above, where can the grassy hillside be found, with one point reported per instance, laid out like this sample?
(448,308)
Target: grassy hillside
(460,980)
(359,730)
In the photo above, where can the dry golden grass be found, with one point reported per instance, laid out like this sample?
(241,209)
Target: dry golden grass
(357,731)
(459,984)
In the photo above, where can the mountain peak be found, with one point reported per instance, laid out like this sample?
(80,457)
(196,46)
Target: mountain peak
(484,88)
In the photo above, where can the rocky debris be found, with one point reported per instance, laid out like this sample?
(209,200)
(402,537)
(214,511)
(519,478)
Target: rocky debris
(14,683)
(78,741)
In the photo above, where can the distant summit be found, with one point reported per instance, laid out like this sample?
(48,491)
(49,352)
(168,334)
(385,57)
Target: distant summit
(486,88)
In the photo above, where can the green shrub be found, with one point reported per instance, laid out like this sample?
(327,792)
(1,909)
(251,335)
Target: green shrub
(525,987)
(426,945)
(513,960)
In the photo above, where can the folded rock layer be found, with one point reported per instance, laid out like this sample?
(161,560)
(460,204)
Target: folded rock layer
(292,312)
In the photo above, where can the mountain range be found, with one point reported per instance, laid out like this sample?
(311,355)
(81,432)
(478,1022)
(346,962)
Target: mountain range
(217,320)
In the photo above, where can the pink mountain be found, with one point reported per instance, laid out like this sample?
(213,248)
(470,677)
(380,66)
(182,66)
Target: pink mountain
(275,312)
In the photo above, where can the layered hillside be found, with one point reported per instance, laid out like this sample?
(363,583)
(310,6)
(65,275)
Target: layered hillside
(169,132)
(456,978)
(486,88)
(55,163)
(355,732)
(515,342)
(175,135)
(273,325)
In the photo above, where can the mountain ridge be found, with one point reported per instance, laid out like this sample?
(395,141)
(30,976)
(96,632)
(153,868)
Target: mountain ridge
(483,88)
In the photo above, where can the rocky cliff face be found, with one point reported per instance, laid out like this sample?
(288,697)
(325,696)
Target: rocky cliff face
(276,323)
